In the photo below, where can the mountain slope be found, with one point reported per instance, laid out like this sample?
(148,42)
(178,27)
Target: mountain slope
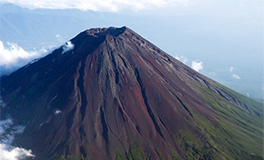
(114,95)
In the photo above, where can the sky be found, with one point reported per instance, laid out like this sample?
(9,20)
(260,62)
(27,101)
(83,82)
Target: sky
(99,5)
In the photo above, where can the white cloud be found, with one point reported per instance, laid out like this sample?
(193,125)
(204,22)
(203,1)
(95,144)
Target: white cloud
(248,94)
(236,76)
(197,66)
(7,153)
(182,59)
(99,5)
(60,38)
(12,56)
(67,47)
(2,104)
(231,69)
(7,133)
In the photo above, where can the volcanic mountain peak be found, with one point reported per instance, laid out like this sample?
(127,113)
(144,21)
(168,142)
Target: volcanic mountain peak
(114,95)
(106,31)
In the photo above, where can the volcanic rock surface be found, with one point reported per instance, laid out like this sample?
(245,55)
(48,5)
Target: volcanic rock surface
(114,95)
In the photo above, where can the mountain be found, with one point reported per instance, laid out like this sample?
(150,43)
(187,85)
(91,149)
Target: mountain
(108,93)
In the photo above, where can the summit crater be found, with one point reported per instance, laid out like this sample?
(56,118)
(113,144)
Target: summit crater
(106,31)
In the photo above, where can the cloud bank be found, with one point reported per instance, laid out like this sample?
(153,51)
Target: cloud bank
(13,57)
(7,133)
(99,5)
(197,66)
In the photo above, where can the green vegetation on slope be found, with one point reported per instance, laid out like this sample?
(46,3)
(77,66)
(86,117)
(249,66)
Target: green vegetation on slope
(135,153)
(238,134)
